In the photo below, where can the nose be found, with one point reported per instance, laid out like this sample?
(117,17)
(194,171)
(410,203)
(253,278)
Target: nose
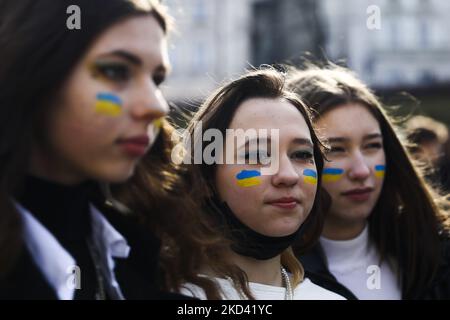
(359,169)
(287,175)
(148,103)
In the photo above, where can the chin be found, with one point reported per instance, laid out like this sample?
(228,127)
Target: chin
(119,175)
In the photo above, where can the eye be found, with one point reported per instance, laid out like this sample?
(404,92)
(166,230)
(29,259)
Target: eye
(261,157)
(116,72)
(374,145)
(303,155)
(336,149)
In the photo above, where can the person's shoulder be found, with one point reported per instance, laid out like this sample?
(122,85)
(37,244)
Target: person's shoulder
(307,290)
(194,291)
(226,287)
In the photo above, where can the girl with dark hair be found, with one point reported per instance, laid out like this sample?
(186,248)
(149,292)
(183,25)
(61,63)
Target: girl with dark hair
(385,235)
(261,212)
(85,205)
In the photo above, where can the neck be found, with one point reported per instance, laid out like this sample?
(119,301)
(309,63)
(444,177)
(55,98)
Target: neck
(51,169)
(259,271)
(336,229)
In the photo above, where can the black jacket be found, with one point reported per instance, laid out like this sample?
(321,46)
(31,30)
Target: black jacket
(316,269)
(137,275)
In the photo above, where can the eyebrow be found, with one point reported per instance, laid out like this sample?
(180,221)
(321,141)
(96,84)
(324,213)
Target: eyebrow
(257,140)
(135,60)
(300,141)
(344,139)
(303,141)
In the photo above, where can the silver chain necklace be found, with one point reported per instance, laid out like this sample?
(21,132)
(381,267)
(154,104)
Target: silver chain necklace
(287,283)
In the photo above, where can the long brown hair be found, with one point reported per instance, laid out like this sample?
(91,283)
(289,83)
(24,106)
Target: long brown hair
(406,223)
(218,111)
(34,65)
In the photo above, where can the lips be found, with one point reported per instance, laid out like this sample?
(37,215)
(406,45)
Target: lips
(285,202)
(135,146)
(358,194)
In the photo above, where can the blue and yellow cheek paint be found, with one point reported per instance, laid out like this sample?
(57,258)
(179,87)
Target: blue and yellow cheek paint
(380,171)
(248,178)
(310,176)
(108,104)
(332,174)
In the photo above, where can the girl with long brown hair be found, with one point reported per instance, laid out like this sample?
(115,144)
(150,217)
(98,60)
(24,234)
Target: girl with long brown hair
(263,189)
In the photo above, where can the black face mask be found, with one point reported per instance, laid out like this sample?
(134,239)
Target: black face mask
(248,242)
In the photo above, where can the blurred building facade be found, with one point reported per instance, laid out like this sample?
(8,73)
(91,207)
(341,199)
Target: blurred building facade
(211,43)
(219,39)
(284,30)
(411,47)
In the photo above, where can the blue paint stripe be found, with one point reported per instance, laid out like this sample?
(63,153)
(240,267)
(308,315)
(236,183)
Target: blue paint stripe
(109,97)
(244,174)
(380,167)
(333,171)
(310,173)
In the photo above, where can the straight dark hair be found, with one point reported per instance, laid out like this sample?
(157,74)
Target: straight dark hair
(407,221)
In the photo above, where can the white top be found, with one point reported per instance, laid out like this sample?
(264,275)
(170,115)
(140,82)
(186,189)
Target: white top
(57,265)
(355,264)
(306,290)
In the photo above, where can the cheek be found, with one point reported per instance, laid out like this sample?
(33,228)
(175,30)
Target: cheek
(239,188)
(332,178)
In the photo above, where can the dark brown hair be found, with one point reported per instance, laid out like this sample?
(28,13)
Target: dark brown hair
(406,222)
(218,111)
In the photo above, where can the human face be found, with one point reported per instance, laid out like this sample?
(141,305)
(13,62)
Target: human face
(108,112)
(351,177)
(273,205)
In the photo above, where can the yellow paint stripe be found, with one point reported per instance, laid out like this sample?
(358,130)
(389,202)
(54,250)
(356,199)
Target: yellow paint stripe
(331,177)
(108,108)
(249,182)
(310,180)
(379,174)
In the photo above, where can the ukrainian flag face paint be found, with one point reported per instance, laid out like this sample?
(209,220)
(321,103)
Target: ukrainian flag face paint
(154,128)
(332,174)
(310,176)
(248,178)
(380,171)
(108,104)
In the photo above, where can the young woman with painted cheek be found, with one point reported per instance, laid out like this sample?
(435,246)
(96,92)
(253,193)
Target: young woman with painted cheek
(263,214)
(386,233)
(276,205)
(356,151)
(88,191)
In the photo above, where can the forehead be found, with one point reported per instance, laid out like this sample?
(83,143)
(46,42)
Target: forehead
(349,120)
(262,113)
(141,35)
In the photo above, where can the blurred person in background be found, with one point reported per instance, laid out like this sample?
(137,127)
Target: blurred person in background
(428,138)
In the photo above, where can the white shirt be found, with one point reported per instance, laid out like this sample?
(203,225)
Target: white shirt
(355,264)
(57,265)
(306,290)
